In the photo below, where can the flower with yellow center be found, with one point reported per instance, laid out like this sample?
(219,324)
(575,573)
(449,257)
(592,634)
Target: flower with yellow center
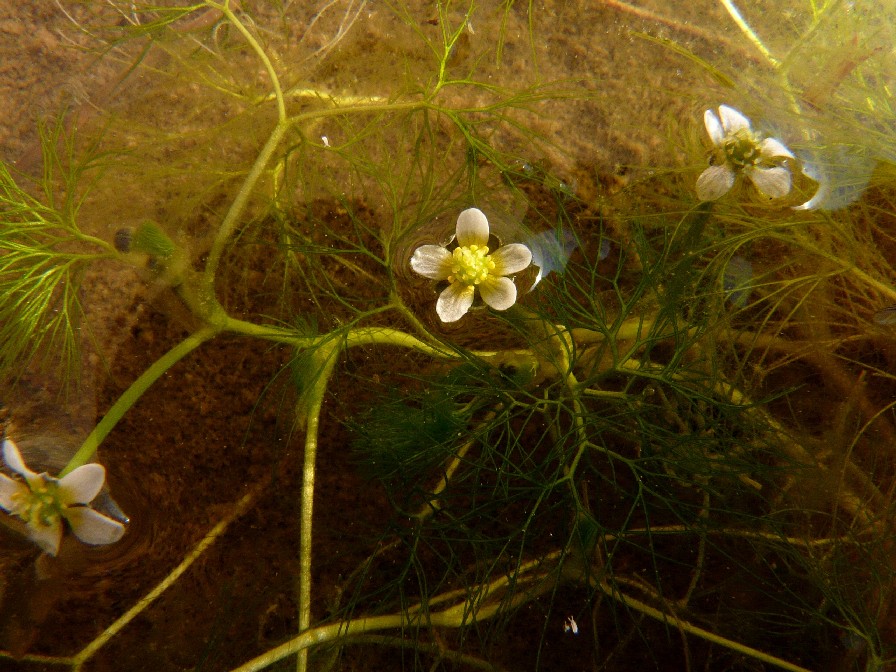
(470,266)
(738,148)
(43,502)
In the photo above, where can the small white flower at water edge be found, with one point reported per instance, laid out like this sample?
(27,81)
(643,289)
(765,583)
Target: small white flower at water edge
(470,266)
(738,148)
(43,502)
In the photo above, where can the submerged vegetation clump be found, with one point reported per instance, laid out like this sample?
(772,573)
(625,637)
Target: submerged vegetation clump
(669,442)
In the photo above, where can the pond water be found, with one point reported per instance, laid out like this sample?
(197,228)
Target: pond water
(237,275)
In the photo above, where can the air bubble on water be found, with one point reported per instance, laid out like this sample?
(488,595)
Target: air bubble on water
(551,251)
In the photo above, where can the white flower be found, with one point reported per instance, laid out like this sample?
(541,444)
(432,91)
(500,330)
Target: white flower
(741,149)
(470,265)
(43,501)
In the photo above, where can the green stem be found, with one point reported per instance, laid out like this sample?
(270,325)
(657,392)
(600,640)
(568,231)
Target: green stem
(697,631)
(852,269)
(259,51)
(468,610)
(749,32)
(379,108)
(388,336)
(354,337)
(236,208)
(398,304)
(239,509)
(109,251)
(233,215)
(321,635)
(326,357)
(231,219)
(133,393)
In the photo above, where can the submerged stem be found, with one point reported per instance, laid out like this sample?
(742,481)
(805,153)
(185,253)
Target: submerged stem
(259,51)
(241,507)
(326,357)
(749,32)
(133,393)
(232,218)
(689,628)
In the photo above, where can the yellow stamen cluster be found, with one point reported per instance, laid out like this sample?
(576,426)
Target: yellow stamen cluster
(471,265)
(38,507)
(742,149)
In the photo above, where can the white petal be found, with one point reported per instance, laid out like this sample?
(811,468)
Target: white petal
(713,127)
(14,461)
(511,258)
(821,194)
(714,182)
(82,485)
(454,301)
(732,120)
(772,148)
(472,228)
(842,173)
(432,261)
(499,293)
(47,536)
(92,527)
(773,182)
(8,488)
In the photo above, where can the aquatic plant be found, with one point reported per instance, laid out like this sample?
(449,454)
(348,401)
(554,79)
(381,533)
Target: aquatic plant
(665,455)
(43,502)
(740,149)
(469,265)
